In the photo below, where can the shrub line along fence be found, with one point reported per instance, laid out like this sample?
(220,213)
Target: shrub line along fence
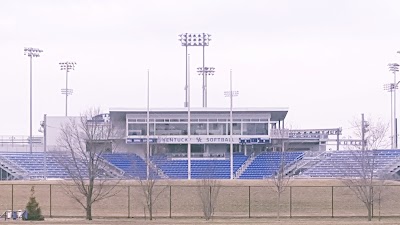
(184,201)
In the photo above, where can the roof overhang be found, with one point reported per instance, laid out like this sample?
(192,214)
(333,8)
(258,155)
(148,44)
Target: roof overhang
(277,114)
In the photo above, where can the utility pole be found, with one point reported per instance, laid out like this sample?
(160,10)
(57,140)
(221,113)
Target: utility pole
(364,129)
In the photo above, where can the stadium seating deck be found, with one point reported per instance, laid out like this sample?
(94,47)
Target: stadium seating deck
(347,163)
(267,163)
(204,168)
(133,165)
(34,164)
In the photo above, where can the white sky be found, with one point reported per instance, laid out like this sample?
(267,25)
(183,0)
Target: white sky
(325,60)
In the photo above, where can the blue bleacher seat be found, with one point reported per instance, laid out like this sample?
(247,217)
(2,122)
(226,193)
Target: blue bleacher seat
(347,163)
(267,163)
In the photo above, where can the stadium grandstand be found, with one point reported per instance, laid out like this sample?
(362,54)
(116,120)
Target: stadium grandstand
(257,153)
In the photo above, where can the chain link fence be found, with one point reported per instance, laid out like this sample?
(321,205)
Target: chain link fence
(184,201)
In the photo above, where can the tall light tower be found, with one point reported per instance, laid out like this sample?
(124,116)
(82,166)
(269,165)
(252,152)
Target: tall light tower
(390,87)
(31,53)
(231,94)
(192,39)
(394,67)
(205,72)
(67,66)
(189,148)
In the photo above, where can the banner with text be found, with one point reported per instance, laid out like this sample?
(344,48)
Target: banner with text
(198,140)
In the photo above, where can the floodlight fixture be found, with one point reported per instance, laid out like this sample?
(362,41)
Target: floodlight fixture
(32,52)
(195,39)
(231,93)
(67,66)
(208,71)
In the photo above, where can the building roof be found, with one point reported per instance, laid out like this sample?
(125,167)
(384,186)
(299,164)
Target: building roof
(276,113)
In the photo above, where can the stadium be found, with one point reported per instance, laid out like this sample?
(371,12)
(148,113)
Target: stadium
(255,141)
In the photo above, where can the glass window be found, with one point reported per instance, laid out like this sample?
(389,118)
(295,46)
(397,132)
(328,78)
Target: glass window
(217,129)
(255,129)
(198,128)
(137,129)
(171,129)
(236,128)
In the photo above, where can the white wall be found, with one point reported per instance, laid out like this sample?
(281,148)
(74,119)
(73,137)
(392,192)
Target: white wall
(53,127)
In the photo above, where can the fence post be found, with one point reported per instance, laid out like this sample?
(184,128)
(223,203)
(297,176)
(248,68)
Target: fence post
(50,199)
(129,201)
(249,202)
(372,200)
(210,203)
(332,201)
(170,201)
(290,201)
(12,197)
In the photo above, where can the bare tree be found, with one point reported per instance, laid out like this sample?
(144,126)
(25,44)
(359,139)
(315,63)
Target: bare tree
(151,191)
(280,181)
(82,142)
(208,190)
(361,170)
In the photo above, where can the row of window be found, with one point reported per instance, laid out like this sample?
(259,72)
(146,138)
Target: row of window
(198,129)
(195,120)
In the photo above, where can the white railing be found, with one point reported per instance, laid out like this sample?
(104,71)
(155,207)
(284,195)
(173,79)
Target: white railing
(19,139)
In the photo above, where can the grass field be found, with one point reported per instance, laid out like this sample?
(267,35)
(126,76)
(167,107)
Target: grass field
(297,221)
(306,202)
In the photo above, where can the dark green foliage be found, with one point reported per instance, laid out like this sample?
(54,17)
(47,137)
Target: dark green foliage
(33,209)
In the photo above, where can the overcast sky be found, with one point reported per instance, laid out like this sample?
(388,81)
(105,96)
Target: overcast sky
(324,60)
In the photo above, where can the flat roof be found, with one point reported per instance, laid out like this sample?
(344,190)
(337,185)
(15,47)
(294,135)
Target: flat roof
(200,109)
(276,113)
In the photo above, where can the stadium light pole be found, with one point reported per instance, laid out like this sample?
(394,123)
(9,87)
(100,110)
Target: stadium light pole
(192,39)
(231,94)
(394,67)
(205,72)
(189,150)
(148,127)
(389,88)
(31,53)
(67,66)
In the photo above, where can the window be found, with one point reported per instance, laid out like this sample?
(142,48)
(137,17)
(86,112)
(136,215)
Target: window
(171,129)
(137,129)
(236,129)
(255,129)
(217,129)
(198,128)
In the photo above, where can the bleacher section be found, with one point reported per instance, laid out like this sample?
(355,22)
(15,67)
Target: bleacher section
(133,165)
(347,163)
(266,164)
(33,163)
(334,164)
(205,168)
